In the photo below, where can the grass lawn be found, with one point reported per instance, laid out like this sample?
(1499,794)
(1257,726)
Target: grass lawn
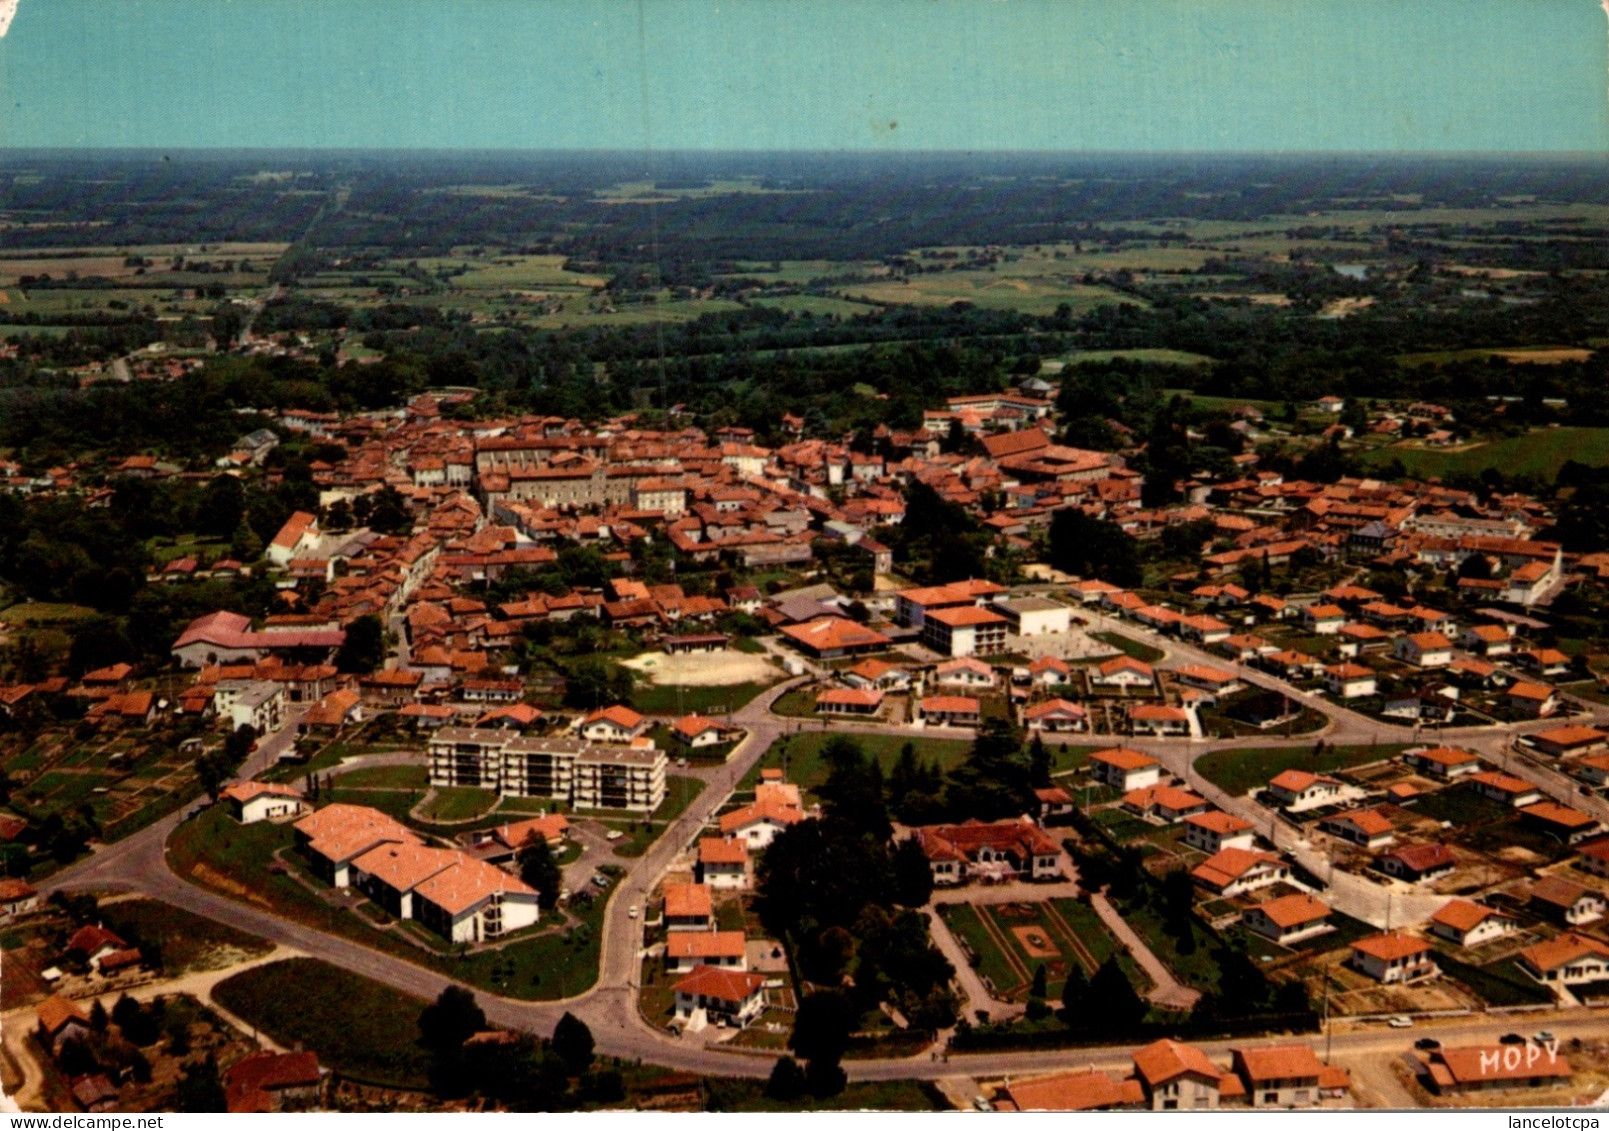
(672,699)
(1130,647)
(357,1026)
(1540,453)
(1199,968)
(800,754)
(458,804)
(44,612)
(1461,804)
(214,851)
(187,941)
(1240,771)
(965,923)
(385,777)
(800,703)
(395,803)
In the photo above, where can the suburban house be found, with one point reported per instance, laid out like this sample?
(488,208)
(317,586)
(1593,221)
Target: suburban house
(1489,1068)
(1565,902)
(684,950)
(1070,1091)
(991,852)
(949,710)
(1054,801)
(1561,822)
(1288,918)
(862,701)
(1506,788)
(1537,700)
(712,994)
(1394,957)
(1214,681)
(1569,959)
(265,1082)
(333,837)
(1563,741)
(253,801)
(1178,1077)
(1125,769)
(1231,871)
(758,824)
(1298,789)
(1417,862)
(1349,681)
(1471,924)
(17,897)
(689,907)
(1166,803)
(966,674)
(1366,827)
(831,638)
(1282,1075)
(878,675)
(1423,650)
(1215,831)
(696,731)
(615,724)
(1056,716)
(723,863)
(1323,620)
(1123,672)
(1445,762)
(60,1020)
(1049,671)
(1159,721)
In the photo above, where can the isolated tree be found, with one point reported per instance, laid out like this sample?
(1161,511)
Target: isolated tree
(787,1080)
(200,1089)
(450,1020)
(572,1041)
(540,870)
(1112,999)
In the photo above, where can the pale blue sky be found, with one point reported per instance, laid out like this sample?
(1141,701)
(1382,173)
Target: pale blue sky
(1449,75)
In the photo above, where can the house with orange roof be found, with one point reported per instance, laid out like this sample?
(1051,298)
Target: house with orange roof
(1297,790)
(1513,791)
(1489,1068)
(1215,831)
(990,851)
(696,731)
(711,994)
(861,701)
(1125,769)
(1571,826)
(966,673)
(617,724)
(723,863)
(1323,620)
(689,907)
(253,801)
(1568,903)
(473,901)
(59,1021)
(299,533)
(1164,803)
(1158,720)
(1394,957)
(949,710)
(1350,681)
(336,710)
(1567,741)
(1445,762)
(1288,918)
(1056,716)
(1232,871)
(964,631)
(1087,1090)
(1368,828)
(759,824)
(1466,923)
(832,638)
(266,1082)
(1536,700)
(1283,1075)
(1570,959)
(17,897)
(879,675)
(333,837)
(1423,650)
(1124,672)
(724,950)
(1049,671)
(1178,1077)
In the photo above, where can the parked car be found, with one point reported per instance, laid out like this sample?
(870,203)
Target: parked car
(1426,1044)
(1545,1037)
(631,912)
(1511,1039)
(1401,1021)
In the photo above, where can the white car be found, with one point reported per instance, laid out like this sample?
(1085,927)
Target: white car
(631,912)
(1401,1021)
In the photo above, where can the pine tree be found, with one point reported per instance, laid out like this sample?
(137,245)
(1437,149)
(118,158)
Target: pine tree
(572,1041)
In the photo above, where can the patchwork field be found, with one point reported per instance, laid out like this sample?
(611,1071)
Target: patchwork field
(1540,453)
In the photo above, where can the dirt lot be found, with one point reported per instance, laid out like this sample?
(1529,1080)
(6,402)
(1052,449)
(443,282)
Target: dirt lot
(703,669)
